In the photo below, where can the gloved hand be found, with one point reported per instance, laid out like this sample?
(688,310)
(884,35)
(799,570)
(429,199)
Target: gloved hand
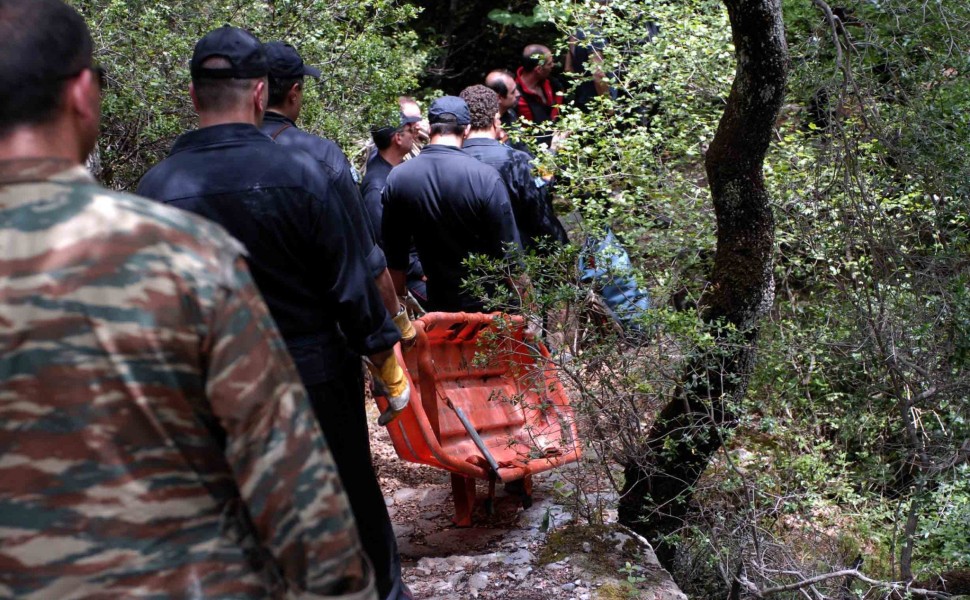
(403,322)
(414,308)
(390,376)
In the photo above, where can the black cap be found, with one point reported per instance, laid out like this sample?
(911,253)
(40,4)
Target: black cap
(382,135)
(449,109)
(405,119)
(285,62)
(245,54)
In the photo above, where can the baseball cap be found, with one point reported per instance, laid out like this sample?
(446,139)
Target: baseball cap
(245,54)
(448,109)
(285,62)
(382,135)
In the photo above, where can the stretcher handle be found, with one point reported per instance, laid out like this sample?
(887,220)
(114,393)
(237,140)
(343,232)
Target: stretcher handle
(492,463)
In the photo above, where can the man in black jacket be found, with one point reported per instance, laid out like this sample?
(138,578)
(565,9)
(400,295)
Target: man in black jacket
(306,256)
(451,206)
(534,214)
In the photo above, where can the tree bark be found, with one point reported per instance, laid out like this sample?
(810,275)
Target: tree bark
(659,485)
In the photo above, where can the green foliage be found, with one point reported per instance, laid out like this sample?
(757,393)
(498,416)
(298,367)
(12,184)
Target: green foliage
(857,411)
(365,50)
(512,19)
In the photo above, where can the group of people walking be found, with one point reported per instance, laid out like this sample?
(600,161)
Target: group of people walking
(181,399)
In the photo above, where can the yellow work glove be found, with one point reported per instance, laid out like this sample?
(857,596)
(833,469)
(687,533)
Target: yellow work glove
(403,322)
(391,377)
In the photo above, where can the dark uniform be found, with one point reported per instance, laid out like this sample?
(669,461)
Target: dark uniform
(453,206)
(308,263)
(338,170)
(371,189)
(534,214)
(343,393)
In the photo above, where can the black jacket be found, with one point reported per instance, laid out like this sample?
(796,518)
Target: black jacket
(303,250)
(451,205)
(534,214)
(338,170)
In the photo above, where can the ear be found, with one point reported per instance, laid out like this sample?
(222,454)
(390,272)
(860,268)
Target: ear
(295,90)
(468,130)
(260,96)
(83,96)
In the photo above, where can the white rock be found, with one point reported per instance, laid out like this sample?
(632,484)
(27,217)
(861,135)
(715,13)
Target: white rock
(478,581)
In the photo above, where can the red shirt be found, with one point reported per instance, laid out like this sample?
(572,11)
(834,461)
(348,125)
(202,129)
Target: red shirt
(538,108)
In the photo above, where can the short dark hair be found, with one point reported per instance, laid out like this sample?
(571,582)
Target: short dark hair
(482,105)
(43,43)
(383,136)
(220,93)
(529,56)
(498,86)
(279,88)
(447,128)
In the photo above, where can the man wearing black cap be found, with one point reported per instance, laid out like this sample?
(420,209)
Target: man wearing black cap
(287,72)
(452,205)
(304,252)
(394,143)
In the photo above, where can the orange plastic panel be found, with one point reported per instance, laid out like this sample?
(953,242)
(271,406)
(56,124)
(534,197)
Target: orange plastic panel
(505,386)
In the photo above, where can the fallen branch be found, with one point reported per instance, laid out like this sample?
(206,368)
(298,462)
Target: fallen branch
(894,586)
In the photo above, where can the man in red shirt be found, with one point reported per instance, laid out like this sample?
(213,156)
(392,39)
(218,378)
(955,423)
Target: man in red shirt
(538,102)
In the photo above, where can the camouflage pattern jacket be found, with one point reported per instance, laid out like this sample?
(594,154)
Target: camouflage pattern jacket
(155,440)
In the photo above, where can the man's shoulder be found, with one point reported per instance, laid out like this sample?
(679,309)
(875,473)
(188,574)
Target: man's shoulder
(376,175)
(93,215)
(204,172)
(323,150)
(169,221)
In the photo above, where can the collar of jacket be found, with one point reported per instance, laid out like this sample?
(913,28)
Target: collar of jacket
(25,170)
(219,134)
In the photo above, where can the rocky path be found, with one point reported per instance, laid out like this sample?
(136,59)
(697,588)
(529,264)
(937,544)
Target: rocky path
(514,554)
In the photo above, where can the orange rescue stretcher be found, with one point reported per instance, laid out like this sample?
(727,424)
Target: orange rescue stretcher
(485,404)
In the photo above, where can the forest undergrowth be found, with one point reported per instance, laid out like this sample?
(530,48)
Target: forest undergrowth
(845,470)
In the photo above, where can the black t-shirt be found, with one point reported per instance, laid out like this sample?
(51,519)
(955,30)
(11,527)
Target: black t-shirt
(303,250)
(451,205)
(370,189)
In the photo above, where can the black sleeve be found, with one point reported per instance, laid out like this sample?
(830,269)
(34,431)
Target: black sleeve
(350,195)
(348,278)
(396,229)
(374,208)
(536,203)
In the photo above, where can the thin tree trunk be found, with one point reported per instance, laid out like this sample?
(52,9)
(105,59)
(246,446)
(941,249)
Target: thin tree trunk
(687,433)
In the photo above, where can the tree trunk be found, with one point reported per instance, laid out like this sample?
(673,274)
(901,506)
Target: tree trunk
(659,485)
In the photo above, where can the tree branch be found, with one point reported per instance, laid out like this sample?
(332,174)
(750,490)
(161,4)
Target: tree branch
(894,586)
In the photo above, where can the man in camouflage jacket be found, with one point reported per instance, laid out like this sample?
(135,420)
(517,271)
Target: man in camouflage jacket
(155,439)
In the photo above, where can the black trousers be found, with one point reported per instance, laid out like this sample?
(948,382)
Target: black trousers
(340,410)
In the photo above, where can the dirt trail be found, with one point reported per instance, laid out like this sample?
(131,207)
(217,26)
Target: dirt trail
(497,558)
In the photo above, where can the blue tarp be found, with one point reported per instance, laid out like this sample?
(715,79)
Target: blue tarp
(605,264)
